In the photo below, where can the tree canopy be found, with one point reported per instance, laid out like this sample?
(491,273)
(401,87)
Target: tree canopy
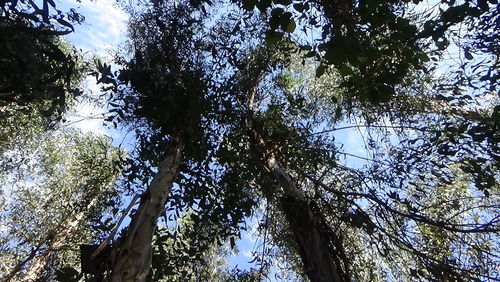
(239,110)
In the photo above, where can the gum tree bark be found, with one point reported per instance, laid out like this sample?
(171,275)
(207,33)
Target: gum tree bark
(320,250)
(131,258)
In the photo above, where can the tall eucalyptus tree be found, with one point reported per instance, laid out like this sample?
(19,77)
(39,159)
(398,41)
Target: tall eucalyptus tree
(160,94)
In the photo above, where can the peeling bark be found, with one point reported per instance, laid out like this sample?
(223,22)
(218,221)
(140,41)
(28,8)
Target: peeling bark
(131,259)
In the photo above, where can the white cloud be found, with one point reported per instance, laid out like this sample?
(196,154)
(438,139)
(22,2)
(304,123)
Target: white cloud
(104,26)
(103,29)
(248,254)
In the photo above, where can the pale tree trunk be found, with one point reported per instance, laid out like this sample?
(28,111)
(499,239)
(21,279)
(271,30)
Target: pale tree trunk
(131,258)
(320,250)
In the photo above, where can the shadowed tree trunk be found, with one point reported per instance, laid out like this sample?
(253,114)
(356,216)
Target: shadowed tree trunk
(131,259)
(320,250)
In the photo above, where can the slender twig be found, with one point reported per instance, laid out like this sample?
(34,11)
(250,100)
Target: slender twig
(112,235)
(372,126)
(415,217)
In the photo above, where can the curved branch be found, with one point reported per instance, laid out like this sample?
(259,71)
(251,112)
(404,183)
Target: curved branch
(484,228)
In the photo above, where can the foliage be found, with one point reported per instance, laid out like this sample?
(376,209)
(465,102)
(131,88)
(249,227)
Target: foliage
(377,80)
(422,203)
(39,70)
(164,92)
(53,188)
(376,44)
(181,255)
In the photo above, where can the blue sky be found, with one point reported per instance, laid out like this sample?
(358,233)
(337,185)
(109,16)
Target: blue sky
(103,30)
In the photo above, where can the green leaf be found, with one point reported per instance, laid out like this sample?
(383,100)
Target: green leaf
(263,5)
(442,44)
(305,47)
(424,58)
(283,2)
(65,23)
(277,12)
(274,21)
(310,54)
(272,37)
(248,5)
(290,27)
(299,7)
(285,19)
(345,70)
(320,70)
(468,55)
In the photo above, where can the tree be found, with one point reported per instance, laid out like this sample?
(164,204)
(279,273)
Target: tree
(220,107)
(38,67)
(54,187)
(358,217)
(40,76)
(166,100)
(381,97)
(40,71)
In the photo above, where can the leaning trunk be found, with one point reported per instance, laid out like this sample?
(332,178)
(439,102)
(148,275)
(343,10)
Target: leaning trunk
(131,259)
(320,250)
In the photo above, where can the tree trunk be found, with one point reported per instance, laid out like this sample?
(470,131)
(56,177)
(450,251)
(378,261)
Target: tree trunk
(131,258)
(39,267)
(320,250)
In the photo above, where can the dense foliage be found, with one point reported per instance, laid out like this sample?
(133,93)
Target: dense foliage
(36,64)
(242,114)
